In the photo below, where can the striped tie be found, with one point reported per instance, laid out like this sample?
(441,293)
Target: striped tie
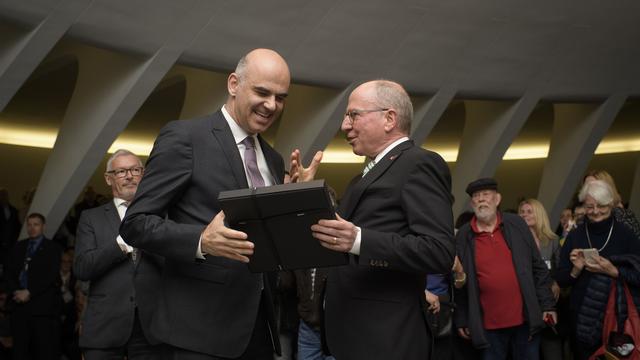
(369,166)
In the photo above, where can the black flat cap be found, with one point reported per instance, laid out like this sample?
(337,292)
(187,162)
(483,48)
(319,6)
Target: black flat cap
(481,184)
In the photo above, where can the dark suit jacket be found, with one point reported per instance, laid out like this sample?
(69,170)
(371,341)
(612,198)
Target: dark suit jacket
(117,284)
(374,305)
(9,231)
(207,306)
(43,281)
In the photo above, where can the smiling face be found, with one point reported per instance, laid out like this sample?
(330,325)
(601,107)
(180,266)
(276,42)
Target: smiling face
(367,132)
(596,212)
(527,214)
(257,90)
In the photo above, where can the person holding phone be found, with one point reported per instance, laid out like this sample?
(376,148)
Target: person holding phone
(594,254)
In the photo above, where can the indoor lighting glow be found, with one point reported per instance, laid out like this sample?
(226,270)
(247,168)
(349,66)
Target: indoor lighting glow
(45,138)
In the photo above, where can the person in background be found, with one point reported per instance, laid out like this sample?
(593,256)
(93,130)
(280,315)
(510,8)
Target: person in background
(123,282)
(534,214)
(507,296)
(68,316)
(590,275)
(9,227)
(33,273)
(566,223)
(622,214)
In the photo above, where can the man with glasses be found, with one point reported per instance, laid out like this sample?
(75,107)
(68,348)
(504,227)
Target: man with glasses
(123,280)
(395,221)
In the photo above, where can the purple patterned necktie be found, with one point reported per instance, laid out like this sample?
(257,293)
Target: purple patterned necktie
(250,162)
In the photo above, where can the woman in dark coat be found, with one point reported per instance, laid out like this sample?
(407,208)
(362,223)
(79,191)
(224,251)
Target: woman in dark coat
(591,276)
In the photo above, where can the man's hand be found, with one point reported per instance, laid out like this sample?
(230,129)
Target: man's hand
(555,289)
(337,235)
(464,333)
(21,296)
(299,173)
(550,317)
(219,240)
(433,300)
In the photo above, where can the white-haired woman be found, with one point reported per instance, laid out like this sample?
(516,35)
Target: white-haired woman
(589,273)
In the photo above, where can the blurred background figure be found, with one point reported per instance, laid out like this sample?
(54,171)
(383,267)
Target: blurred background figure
(9,226)
(534,214)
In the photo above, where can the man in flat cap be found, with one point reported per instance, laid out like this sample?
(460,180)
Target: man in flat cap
(507,295)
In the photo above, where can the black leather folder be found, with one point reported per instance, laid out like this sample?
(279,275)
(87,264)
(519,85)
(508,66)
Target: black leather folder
(278,219)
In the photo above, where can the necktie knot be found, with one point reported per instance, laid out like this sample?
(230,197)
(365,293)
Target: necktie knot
(369,166)
(249,142)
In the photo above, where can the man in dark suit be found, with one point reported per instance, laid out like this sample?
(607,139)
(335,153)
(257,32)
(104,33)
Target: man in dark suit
(122,279)
(395,220)
(34,281)
(211,306)
(9,226)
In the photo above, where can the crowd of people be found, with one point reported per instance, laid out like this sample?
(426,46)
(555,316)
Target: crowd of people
(153,271)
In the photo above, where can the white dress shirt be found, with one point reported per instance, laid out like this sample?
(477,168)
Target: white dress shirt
(122,209)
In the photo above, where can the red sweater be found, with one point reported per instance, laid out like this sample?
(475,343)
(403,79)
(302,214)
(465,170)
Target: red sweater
(500,295)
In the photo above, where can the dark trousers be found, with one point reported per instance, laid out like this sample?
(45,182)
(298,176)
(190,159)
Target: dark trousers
(35,337)
(514,341)
(137,347)
(259,348)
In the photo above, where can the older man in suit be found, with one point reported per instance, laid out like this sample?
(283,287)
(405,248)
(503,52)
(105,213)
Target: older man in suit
(395,221)
(34,284)
(211,306)
(123,280)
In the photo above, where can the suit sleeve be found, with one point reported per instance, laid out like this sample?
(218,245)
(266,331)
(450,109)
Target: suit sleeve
(93,258)
(167,175)
(426,200)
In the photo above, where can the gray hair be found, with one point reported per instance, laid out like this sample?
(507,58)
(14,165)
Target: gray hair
(118,153)
(599,190)
(390,94)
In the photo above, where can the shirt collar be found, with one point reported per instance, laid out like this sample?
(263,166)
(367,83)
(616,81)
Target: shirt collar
(389,148)
(474,224)
(239,133)
(118,202)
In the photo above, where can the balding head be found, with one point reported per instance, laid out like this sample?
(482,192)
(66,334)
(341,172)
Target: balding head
(257,90)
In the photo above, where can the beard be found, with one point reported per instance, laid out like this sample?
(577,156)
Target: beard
(485,214)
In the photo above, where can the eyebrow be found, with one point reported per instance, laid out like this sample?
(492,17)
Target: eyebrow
(264,89)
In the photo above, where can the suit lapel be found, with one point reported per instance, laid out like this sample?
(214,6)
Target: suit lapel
(359,184)
(111,213)
(228,146)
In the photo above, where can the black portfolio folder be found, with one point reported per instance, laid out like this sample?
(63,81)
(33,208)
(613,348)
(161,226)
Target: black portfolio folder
(278,219)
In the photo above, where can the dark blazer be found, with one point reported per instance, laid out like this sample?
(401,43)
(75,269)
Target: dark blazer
(9,231)
(531,271)
(208,306)
(117,284)
(43,280)
(374,305)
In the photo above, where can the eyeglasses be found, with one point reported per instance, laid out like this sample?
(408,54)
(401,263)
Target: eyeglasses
(352,114)
(120,173)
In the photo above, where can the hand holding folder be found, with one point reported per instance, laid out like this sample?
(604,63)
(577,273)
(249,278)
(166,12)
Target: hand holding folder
(278,220)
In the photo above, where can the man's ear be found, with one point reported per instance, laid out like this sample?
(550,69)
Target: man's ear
(390,120)
(232,84)
(107,179)
(498,198)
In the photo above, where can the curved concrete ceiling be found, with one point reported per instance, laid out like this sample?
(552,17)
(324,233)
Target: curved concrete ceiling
(565,50)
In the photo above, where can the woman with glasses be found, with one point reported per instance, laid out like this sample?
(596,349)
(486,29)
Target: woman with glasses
(600,250)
